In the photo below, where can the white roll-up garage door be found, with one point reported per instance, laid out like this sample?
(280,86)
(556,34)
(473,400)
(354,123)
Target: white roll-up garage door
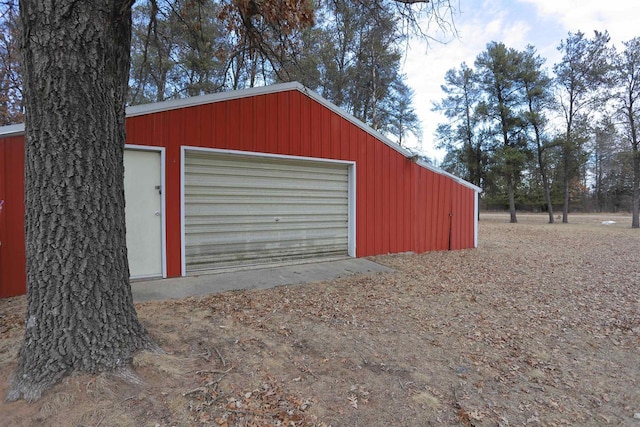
(243,210)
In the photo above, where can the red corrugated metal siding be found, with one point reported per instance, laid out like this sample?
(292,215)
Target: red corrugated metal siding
(400,206)
(12,250)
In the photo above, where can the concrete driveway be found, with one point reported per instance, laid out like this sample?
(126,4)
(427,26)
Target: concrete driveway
(182,287)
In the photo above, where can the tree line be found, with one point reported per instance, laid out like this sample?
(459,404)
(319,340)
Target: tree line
(533,138)
(349,51)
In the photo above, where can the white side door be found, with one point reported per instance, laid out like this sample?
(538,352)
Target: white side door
(143,198)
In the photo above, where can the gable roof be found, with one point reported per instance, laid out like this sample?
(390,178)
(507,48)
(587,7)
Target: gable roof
(174,104)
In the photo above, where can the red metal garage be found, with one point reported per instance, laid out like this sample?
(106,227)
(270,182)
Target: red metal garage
(263,175)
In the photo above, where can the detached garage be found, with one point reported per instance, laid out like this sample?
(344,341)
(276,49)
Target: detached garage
(258,177)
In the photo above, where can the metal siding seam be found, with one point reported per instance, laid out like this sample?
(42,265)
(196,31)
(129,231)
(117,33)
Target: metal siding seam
(371,207)
(336,138)
(393,204)
(361,208)
(378,198)
(426,204)
(294,123)
(271,110)
(246,123)
(420,223)
(234,125)
(424,220)
(345,129)
(457,212)
(326,132)
(440,223)
(305,127)
(385,200)
(432,209)
(453,207)
(283,124)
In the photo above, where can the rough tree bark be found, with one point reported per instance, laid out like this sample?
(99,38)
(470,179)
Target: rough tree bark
(80,314)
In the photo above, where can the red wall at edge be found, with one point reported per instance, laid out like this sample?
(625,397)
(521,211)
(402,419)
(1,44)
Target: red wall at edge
(400,206)
(12,251)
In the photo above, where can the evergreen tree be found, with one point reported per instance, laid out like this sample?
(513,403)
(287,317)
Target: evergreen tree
(537,91)
(498,71)
(462,136)
(582,71)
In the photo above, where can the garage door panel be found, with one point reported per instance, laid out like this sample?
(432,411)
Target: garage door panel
(238,259)
(289,182)
(272,168)
(202,161)
(225,255)
(200,174)
(299,237)
(225,222)
(229,227)
(197,203)
(251,210)
(270,210)
(240,191)
(266,248)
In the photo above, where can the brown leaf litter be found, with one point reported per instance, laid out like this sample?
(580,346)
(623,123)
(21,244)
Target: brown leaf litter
(538,326)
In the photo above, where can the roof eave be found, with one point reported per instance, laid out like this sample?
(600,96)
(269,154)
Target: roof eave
(174,104)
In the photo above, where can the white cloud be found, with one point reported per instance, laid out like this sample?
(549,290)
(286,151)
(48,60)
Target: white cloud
(542,23)
(619,17)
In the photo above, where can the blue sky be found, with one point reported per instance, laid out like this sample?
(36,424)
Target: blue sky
(516,23)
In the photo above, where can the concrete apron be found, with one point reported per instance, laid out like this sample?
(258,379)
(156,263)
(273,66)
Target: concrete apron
(262,278)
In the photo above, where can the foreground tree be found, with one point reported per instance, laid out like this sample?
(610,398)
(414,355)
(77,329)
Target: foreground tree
(80,315)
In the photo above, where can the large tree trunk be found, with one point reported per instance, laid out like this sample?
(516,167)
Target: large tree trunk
(80,314)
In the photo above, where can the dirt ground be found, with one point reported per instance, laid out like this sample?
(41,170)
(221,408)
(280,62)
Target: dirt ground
(538,326)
